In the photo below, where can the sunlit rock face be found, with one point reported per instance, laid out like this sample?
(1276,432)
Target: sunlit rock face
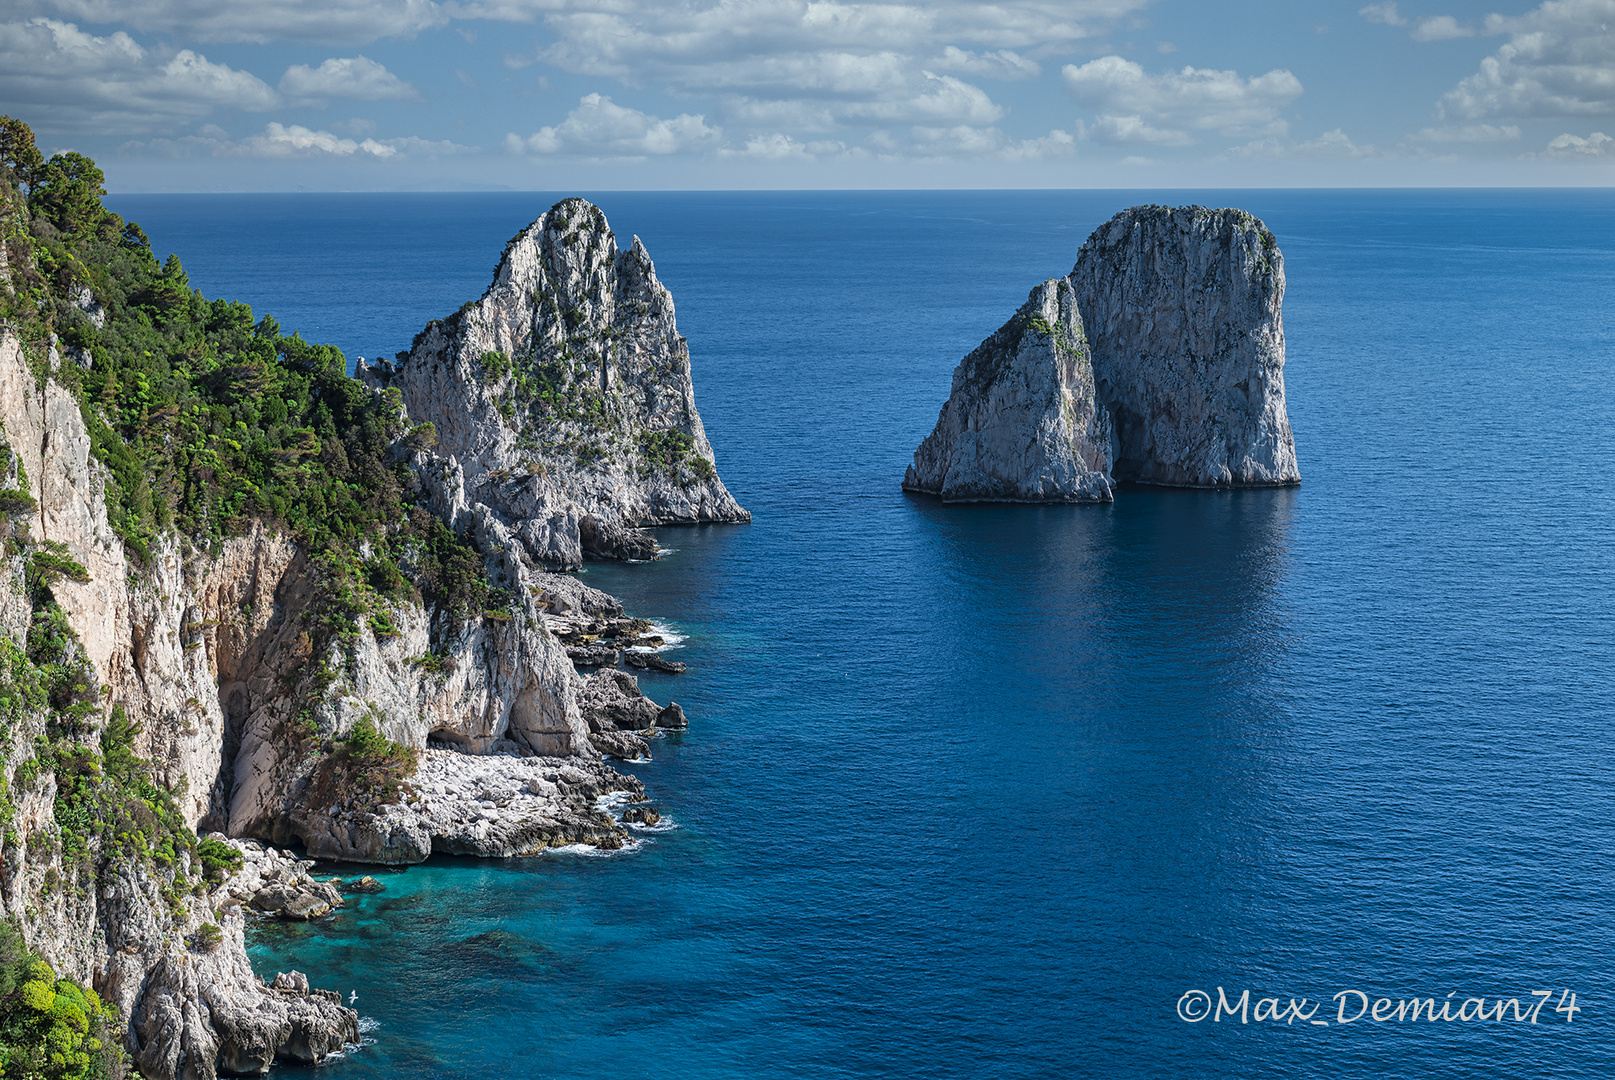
(1182,311)
(564,394)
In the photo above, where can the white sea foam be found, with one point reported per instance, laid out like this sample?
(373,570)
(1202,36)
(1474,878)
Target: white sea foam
(664,825)
(671,639)
(367,1024)
(589,851)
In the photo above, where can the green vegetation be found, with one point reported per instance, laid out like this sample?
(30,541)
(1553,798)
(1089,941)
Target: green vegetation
(219,860)
(664,451)
(495,365)
(51,1028)
(364,767)
(208,419)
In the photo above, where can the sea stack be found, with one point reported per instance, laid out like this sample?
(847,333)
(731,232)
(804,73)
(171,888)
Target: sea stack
(564,394)
(1159,360)
(1182,310)
(1022,423)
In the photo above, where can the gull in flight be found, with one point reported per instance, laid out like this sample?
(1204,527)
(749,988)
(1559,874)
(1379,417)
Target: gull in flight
(353,995)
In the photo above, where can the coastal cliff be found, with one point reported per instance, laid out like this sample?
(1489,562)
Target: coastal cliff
(1162,362)
(248,600)
(564,394)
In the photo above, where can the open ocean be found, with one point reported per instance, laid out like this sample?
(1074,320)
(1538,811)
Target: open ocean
(984,791)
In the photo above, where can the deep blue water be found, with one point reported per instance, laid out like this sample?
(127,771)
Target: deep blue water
(982,791)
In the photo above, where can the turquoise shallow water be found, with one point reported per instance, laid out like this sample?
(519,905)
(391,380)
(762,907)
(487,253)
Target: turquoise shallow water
(983,791)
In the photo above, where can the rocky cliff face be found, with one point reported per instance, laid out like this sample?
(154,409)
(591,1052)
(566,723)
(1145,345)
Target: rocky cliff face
(564,395)
(142,929)
(1159,360)
(1182,309)
(1022,423)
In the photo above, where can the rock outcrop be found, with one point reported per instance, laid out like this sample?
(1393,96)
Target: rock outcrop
(1182,310)
(564,395)
(1158,360)
(276,883)
(1022,423)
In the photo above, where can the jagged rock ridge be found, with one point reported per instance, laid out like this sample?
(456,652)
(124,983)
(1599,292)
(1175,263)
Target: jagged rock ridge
(1022,423)
(1159,359)
(564,395)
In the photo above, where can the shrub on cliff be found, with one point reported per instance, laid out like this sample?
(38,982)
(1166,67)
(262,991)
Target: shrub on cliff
(51,1028)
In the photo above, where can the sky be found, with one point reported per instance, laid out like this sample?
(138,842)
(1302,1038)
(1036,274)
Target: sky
(382,95)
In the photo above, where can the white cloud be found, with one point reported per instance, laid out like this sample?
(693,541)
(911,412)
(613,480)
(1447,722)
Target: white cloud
(294,141)
(73,81)
(357,78)
(1056,143)
(807,68)
(1331,144)
(1468,133)
(1383,13)
(599,127)
(280,141)
(1136,107)
(1440,28)
(1559,61)
(1124,130)
(780,147)
(323,21)
(1424,28)
(970,141)
(1596,145)
(804,69)
(1003,64)
(937,99)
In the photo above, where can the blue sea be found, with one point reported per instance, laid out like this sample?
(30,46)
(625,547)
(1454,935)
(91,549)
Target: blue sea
(993,791)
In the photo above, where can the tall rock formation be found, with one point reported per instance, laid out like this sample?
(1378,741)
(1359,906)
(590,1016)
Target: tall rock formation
(1158,360)
(1182,308)
(564,395)
(1022,423)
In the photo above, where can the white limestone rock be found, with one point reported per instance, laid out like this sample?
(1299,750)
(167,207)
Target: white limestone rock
(275,883)
(1182,310)
(1022,423)
(564,397)
(501,806)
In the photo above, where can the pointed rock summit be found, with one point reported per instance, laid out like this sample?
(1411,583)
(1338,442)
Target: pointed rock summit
(1022,423)
(564,395)
(1159,360)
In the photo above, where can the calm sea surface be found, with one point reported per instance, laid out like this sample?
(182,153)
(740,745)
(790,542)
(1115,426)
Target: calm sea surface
(983,791)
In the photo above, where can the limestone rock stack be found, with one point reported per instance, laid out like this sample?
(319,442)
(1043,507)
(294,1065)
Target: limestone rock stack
(564,395)
(1022,423)
(1182,309)
(1158,360)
